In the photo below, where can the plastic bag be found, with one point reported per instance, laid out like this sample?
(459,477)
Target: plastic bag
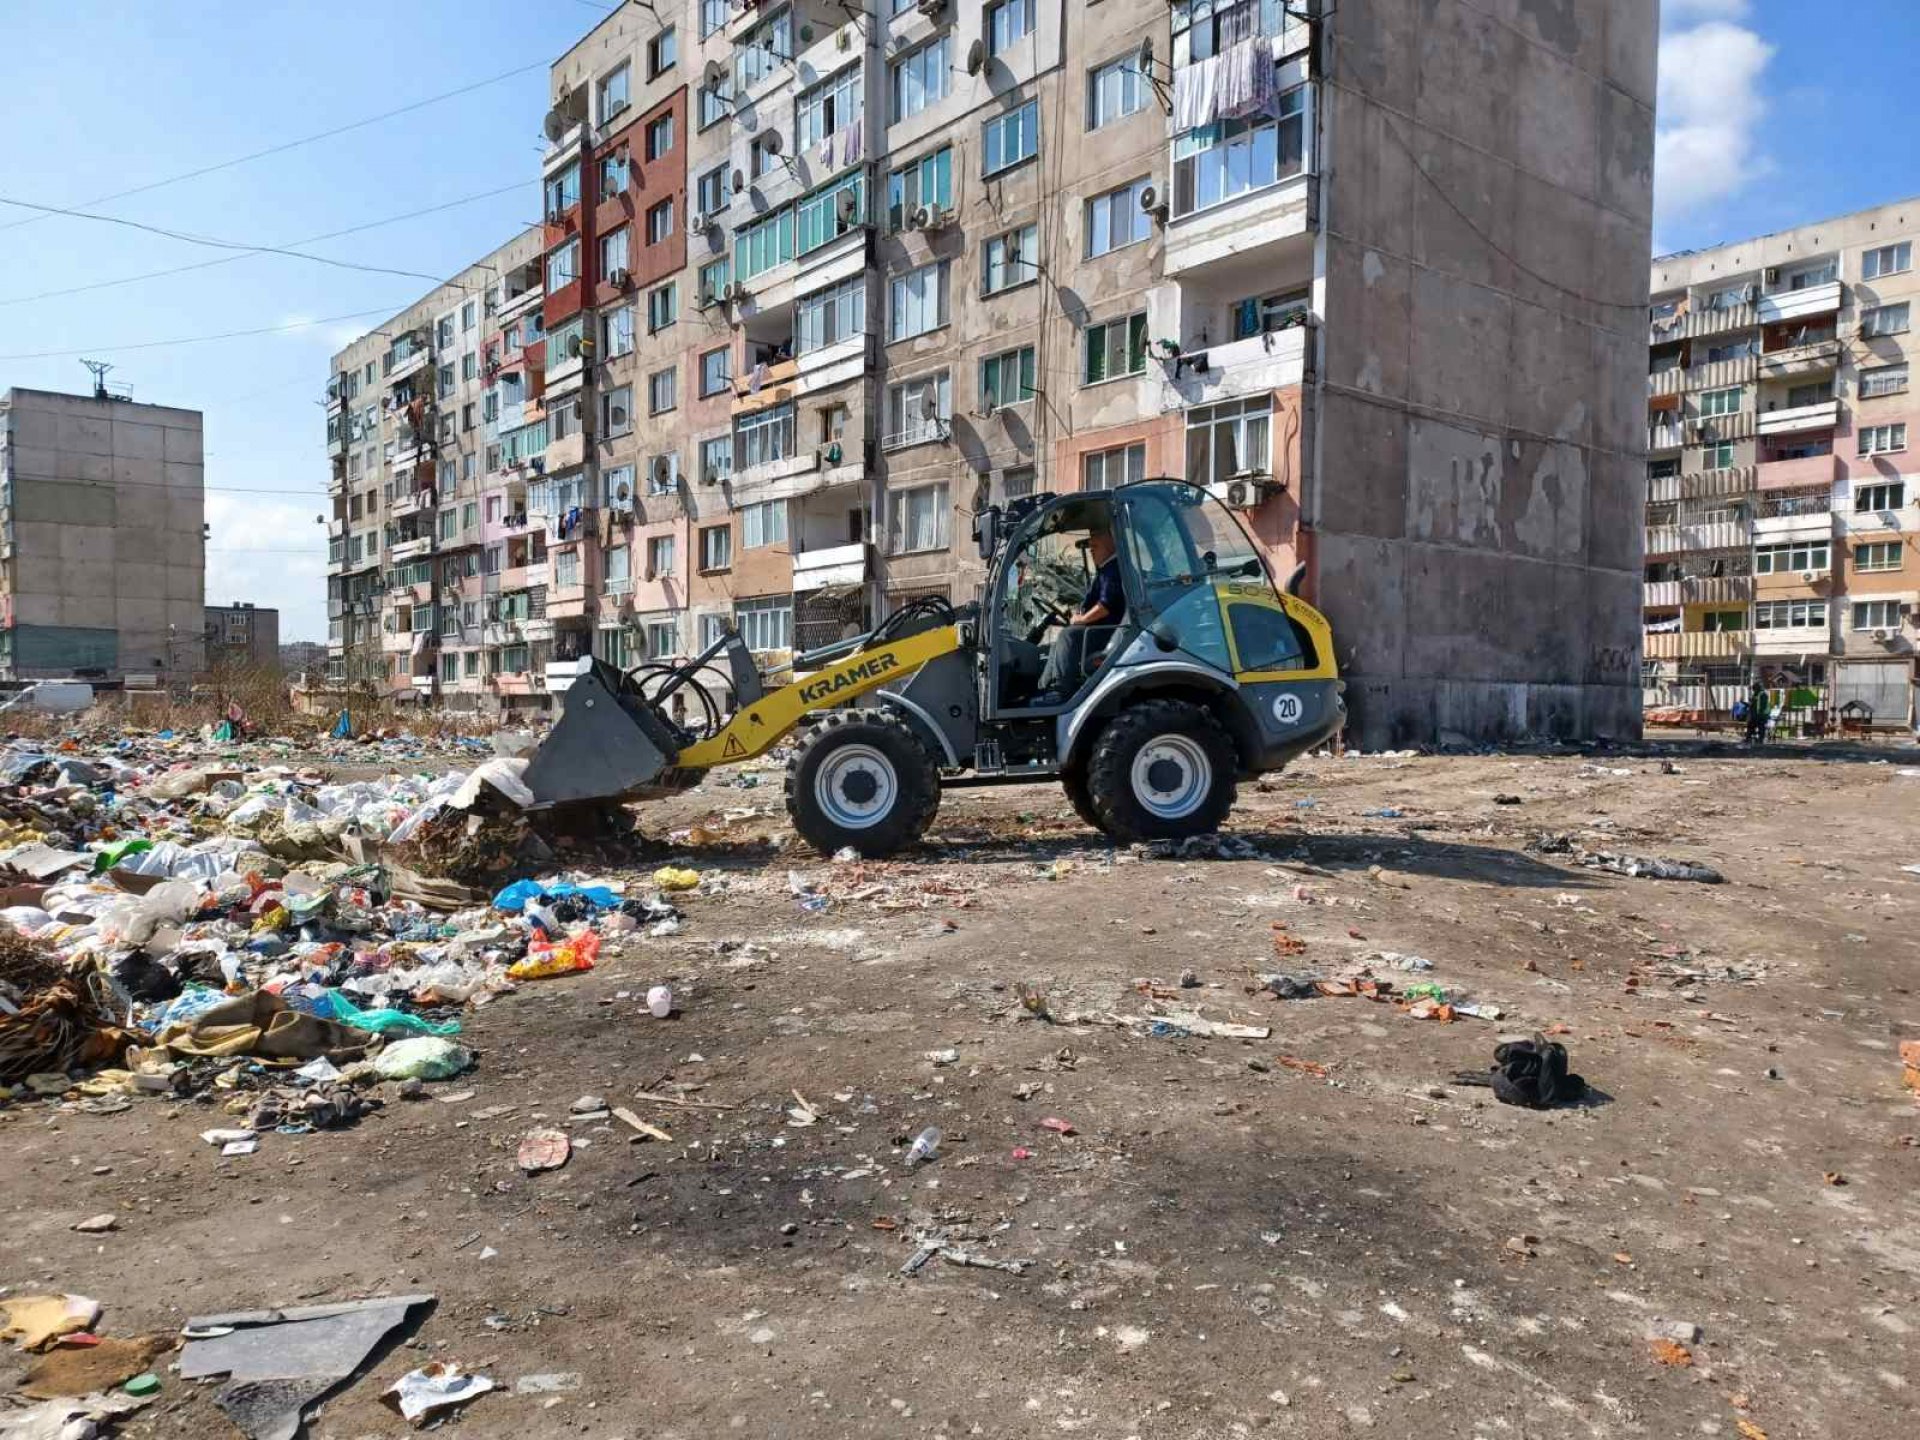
(544,960)
(668,878)
(515,897)
(424,1057)
(332,1005)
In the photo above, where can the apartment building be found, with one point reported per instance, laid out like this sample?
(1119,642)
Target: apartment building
(103,552)
(242,635)
(816,280)
(1783,514)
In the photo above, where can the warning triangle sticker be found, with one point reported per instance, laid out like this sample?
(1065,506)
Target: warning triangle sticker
(732,748)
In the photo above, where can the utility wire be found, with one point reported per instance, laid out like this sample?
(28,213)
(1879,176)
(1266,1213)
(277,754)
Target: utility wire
(231,259)
(203,339)
(304,140)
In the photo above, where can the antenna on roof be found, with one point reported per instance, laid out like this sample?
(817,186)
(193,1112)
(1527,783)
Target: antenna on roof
(99,369)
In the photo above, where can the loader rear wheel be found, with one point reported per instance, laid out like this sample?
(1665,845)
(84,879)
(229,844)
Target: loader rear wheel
(864,780)
(1161,770)
(1074,781)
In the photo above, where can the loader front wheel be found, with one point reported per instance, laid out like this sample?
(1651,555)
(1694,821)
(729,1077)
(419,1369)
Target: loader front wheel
(1161,770)
(864,780)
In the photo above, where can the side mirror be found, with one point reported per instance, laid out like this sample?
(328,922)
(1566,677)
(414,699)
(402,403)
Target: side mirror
(986,532)
(1164,636)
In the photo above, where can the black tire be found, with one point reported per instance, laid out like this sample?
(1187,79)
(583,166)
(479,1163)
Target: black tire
(1074,782)
(832,793)
(1196,759)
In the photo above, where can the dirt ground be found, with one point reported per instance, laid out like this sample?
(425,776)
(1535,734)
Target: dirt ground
(1226,1244)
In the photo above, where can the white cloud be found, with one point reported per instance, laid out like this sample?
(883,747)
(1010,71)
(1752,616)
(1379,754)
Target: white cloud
(1711,103)
(244,559)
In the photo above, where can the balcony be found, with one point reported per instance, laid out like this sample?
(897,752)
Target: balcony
(1711,429)
(761,380)
(1697,535)
(1664,382)
(402,551)
(1663,437)
(1699,590)
(1717,484)
(411,363)
(1700,320)
(512,309)
(1699,645)
(1223,234)
(567,146)
(835,565)
(1257,365)
(411,504)
(1822,357)
(1799,474)
(1801,419)
(1720,374)
(1805,304)
(569,602)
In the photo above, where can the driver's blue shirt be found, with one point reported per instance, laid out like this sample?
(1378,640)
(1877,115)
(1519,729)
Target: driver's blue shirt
(1105,590)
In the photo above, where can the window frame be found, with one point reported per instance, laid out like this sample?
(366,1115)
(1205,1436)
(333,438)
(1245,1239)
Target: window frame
(712,384)
(663,307)
(1898,321)
(1024,121)
(1889,556)
(939,500)
(1900,250)
(922,63)
(1025,237)
(1133,340)
(1139,221)
(663,52)
(716,548)
(1225,135)
(993,375)
(1124,455)
(623,72)
(1132,85)
(671,376)
(939,272)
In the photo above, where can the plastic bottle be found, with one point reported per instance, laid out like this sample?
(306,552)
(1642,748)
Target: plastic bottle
(660,1002)
(543,917)
(926,1145)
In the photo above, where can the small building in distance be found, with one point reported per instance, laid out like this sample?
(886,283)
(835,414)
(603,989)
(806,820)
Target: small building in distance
(241,635)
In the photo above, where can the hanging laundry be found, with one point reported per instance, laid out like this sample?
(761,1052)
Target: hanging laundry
(851,144)
(1196,94)
(759,378)
(1246,79)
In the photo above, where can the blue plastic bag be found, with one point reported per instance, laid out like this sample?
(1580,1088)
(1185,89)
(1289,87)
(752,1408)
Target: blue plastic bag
(514,898)
(332,1005)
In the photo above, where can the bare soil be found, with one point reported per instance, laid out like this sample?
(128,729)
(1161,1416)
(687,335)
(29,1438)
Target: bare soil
(1227,1244)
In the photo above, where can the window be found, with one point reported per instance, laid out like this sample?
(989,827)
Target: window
(765,624)
(1792,559)
(918,519)
(764,244)
(713,16)
(566,569)
(765,436)
(613,175)
(449,668)
(714,276)
(763,524)
(1216,163)
(660,222)
(662,52)
(1822,272)
(716,371)
(1229,439)
(616,332)
(830,316)
(710,191)
(1114,349)
(918,409)
(1723,621)
(1115,91)
(659,556)
(659,140)
(663,306)
(1890,495)
(617,486)
(1878,555)
(1272,314)
(1789,614)
(469,365)
(563,266)
(1007,22)
(663,638)
(716,548)
(469,315)
(917,301)
(662,391)
(1717,457)
(613,93)
(443,332)
(1007,379)
(1006,140)
(1010,259)
(1876,615)
(919,78)
(763,51)
(449,524)
(1887,260)
(763,153)
(466,423)
(613,255)
(1117,218)
(471,664)
(1110,469)
(446,381)
(716,459)
(828,214)
(616,411)
(927,182)
(1720,402)
(714,104)
(826,109)
(1882,380)
(1882,439)
(1884,320)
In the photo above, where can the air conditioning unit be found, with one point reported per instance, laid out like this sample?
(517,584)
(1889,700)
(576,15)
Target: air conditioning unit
(621,495)
(1809,577)
(620,278)
(930,8)
(1241,492)
(1882,636)
(734,292)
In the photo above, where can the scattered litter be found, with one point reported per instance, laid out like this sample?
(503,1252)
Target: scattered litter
(1531,1073)
(98,1224)
(659,1002)
(669,878)
(422,1057)
(420,1394)
(925,1147)
(544,1150)
(1058,1126)
(1671,1352)
(34,1322)
(1305,1067)
(70,1370)
(1649,867)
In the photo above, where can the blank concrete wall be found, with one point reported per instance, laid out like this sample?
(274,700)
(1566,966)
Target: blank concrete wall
(1480,477)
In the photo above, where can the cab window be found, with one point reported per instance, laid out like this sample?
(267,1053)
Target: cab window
(1266,638)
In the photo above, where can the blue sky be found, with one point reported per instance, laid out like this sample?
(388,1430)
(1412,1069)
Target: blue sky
(1772,114)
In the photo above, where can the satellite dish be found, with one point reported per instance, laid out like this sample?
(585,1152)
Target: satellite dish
(573,345)
(739,181)
(929,404)
(849,204)
(976,58)
(1144,63)
(772,143)
(715,75)
(554,126)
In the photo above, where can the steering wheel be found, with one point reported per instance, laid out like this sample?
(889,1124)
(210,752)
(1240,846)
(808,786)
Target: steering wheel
(1053,616)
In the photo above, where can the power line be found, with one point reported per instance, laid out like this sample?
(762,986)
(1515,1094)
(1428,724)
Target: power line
(217,244)
(231,259)
(202,339)
(285,146)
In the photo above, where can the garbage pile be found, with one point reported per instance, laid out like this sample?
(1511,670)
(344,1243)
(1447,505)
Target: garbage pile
(174,930)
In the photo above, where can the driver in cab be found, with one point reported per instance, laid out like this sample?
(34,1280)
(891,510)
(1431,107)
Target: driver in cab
(1105,603)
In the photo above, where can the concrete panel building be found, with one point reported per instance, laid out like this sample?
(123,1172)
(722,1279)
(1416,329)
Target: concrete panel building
(102,537)
(242,635)
(819,279)
(1782,534)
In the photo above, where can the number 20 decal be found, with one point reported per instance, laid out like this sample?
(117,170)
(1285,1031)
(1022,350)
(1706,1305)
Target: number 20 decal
(1286,708)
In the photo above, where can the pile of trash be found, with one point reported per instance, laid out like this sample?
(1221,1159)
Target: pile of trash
(173,930)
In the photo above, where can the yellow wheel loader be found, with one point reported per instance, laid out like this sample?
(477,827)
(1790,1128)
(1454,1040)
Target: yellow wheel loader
(1198,671)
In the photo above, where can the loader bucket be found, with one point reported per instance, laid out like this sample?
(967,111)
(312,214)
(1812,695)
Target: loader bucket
(607,746)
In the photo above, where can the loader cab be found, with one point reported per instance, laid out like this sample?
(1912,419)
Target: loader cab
(1039,578)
